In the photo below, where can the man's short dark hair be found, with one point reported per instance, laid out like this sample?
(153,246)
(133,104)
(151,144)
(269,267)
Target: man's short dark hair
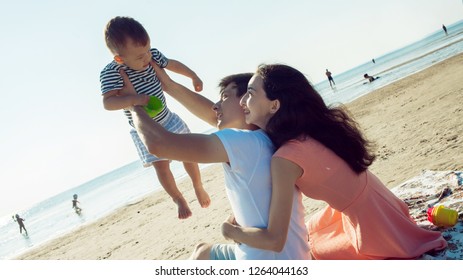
(241,81)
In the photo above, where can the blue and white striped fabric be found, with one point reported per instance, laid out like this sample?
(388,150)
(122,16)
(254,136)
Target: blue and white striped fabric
(173,123)
(144,82)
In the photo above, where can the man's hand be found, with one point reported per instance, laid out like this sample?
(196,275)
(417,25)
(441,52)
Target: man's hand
(228,226)
(161,74)
(128,89)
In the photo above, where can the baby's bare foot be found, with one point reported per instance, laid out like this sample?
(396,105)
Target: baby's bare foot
(184,211)
(203,198)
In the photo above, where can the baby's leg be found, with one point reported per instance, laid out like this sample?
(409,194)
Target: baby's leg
(193,171)
(166,178)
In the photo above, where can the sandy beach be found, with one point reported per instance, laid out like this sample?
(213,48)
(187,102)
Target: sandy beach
(415,122)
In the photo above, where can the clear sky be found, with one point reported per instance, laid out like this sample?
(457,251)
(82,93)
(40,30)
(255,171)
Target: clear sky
(56,134)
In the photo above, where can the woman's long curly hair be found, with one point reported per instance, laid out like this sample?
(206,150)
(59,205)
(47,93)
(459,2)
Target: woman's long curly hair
(303,113)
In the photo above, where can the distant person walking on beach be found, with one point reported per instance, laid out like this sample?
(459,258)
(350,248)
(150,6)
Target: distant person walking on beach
(373,60)
(74,204)
(20,222)
(445,29)
(129,42)
(330,78)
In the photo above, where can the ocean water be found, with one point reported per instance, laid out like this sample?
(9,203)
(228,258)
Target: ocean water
(128,184)
(393,66)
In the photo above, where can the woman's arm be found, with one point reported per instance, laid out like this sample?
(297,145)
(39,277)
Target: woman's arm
(284,176)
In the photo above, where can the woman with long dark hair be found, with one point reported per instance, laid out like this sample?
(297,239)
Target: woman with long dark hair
(322,151)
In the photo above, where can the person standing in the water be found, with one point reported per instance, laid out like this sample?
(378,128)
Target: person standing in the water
(330,78)
(20,222)
(74,203)
(445,29)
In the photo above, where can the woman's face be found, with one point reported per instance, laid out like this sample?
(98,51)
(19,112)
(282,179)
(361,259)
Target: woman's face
(258,109)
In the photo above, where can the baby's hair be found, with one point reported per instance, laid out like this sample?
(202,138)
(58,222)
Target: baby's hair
(119,29)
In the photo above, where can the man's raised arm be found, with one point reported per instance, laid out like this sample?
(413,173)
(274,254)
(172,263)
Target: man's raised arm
(197,104)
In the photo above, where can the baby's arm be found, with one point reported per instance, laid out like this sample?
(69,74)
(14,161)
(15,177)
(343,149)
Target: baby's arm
(180,68)
(116,99)
(284,176)
(113,96)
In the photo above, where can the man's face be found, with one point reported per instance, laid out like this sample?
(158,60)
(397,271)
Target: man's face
(135,56)
(228,109)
